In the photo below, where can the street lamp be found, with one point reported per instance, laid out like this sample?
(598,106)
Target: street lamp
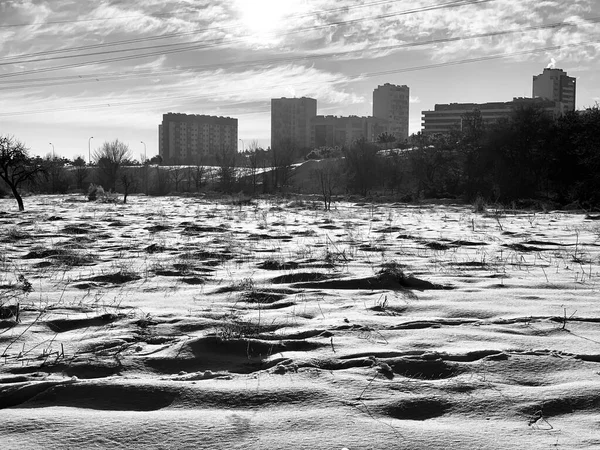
(89,150)
(52,149)
(144,150)
(243,146)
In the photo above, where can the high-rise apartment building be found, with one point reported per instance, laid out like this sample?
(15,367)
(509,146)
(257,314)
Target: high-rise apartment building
(391,102)
(185,138)
(448,117)
(291,121)
(332,131)
(160,140)
(556,85)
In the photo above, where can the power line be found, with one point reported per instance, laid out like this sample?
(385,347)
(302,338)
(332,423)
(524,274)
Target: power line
(152,72)
(356,77)
(61,22)
(218,41)
(186,33)
(481,58)
(202,44)
(153,15)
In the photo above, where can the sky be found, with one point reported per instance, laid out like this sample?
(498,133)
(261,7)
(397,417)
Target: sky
(77,73)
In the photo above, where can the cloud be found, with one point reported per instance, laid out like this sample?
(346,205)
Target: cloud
(107,22)
(359,33)
(504,15)
(362,39)
(414,99)
(18,13)
(393,27)
(210,91)
(155,64)
(254,84)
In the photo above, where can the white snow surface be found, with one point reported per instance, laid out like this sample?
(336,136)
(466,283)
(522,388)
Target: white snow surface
(182,322)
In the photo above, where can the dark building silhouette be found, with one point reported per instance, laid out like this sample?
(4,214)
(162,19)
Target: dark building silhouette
(185,138)
(291,121)
(556,85)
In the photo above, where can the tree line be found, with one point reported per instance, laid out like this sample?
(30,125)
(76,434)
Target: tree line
(530,155)
(115,170)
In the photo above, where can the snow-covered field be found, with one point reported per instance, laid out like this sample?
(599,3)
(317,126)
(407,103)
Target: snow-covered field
(191,323)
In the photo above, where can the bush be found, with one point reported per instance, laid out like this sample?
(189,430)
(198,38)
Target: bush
(324,153)
(95,191)
(479,205)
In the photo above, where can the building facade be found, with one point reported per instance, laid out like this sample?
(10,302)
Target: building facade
(391,102)
(556,85)
(186,138)
(291,121)
(160,140)
(332,131)
(447,117)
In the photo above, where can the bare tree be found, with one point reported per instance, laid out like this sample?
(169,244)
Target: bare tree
(386,137)
(129,181)
(254,157)
(80,171)
(176,175)
(254,145)
(198,174)
(227,170)
(57,176)
(189,178)
(362,165)
(393,170)
(432,164)
(161,180)
(328,176)
(282,158)
(16,166)
(109,158)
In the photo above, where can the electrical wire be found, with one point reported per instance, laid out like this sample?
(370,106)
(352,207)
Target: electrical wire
(61,22)
(187,46)
(152,72)
(153,15)
(355,78)
(483,58)
(490,34)
(56,81)
(205,30)
(343,8)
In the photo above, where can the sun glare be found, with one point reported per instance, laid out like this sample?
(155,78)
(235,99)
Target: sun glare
(262,18)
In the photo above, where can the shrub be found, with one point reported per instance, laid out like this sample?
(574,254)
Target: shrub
(479,205)
(95,191)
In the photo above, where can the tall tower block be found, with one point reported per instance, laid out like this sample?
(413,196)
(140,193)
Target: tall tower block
(391,102)
(291,121)
(556,85)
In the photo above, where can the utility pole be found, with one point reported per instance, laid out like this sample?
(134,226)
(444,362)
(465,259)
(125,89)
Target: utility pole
(52,149)
(145,157)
